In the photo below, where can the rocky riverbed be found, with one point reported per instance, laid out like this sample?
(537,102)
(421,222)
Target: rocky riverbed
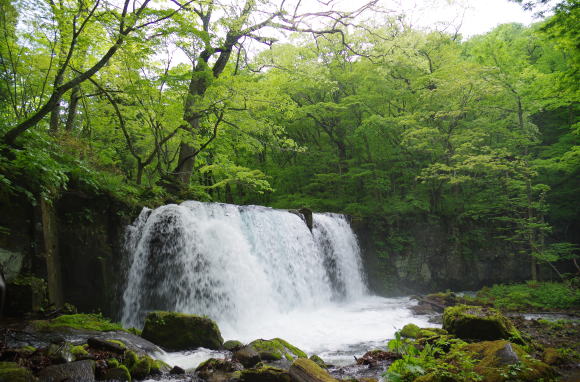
(474,343)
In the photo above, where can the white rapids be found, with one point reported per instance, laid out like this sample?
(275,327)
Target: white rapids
(260,273)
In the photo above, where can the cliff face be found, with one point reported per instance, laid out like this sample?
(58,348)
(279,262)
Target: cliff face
(428,255)
(75,244)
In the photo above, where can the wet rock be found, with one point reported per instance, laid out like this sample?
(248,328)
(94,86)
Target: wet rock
(24,295)
(247,356)
(178,331)
(265,374)
(217,369)
(232,345)
(479,323)
(73,371)
(276,349)
(12,372)
(113,346)
(116,374)
(305,370)
(60,353)
(176,370)
(373,357)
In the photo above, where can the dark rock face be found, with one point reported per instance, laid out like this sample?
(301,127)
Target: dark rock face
(178,331)
(422,255)
(74,371)
(86,232)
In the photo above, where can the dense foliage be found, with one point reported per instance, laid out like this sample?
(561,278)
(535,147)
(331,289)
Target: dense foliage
(385,122)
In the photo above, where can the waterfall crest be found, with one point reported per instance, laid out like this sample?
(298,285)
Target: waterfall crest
(237,262)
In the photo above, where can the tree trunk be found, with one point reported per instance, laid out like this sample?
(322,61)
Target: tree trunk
(72,108)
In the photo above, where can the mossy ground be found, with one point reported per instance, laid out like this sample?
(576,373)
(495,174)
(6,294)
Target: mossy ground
(80,321)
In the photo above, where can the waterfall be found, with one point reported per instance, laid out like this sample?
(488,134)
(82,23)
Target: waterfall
(237,262)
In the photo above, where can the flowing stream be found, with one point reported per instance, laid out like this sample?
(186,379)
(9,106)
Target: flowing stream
(260,273)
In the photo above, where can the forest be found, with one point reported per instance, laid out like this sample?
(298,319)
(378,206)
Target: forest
(433,144)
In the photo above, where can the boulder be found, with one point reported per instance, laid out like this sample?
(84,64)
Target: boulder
(373,357)
(305,370)
(276,349)
(178,331)
(119,373)
(217,369)
(501,361)
(479,323)
(60,353)
(319,361)
(410,331)
(12,372)
(233,345)
(73,371)
(247,356)
(265,374)
(113,346)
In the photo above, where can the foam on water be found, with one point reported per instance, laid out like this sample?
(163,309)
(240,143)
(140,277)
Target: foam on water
(260,273)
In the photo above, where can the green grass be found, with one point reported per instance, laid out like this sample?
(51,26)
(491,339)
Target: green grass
(81,321)
(532,295)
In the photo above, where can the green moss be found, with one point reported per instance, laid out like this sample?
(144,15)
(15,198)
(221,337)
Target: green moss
(80,351)
(305,366)
(264,374)
(410,331)
(113,362)
(117,373)
(232,345)
(28,349)
(11,372)
(178,331)
(131,359)
(141,368)
(319,361)
(277,348)
(79,321)
(494,369)
(120,343)
(479,323)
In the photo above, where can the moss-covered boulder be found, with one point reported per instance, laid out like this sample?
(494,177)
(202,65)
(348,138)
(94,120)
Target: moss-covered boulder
(119,373)
(265,374)
(178,331)
(305,370)
(499,361)
(410,331)
(215,369)
(479,323)
(11,372)
(276,349)
(319,361)
(233,345)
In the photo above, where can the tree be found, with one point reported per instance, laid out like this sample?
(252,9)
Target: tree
(74,23)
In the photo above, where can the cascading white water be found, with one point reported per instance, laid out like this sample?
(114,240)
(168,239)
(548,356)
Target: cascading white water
(234,263)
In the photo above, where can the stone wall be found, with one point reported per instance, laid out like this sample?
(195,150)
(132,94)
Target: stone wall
(75,244)
(426,255)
